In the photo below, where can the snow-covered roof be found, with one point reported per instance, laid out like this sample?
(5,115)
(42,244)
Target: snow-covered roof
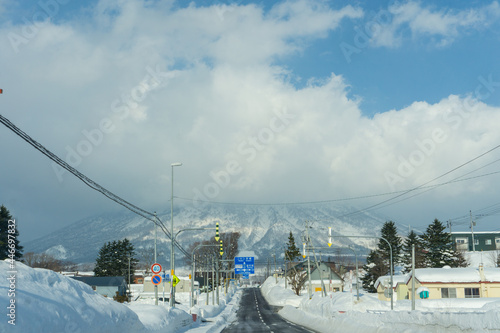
(395,280)
(475,232)
(447,275)
(492,274)
(455,275)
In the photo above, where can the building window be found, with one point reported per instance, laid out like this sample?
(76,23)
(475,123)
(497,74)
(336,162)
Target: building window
(449,292)
(471,292)
(476,241)
(497,240)
(487,242)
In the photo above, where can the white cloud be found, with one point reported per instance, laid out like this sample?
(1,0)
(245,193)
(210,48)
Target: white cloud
(222,106)
(443,26)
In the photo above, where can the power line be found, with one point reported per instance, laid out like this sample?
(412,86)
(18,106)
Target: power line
(430,187)
(87,181)
(420,186)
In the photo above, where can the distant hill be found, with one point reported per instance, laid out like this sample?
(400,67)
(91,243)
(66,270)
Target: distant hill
(264,229)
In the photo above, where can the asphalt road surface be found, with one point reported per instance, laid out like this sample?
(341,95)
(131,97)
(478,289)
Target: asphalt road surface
(256,315)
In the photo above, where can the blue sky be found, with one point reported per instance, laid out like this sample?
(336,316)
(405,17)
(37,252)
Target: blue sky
(311,100)
(417,69)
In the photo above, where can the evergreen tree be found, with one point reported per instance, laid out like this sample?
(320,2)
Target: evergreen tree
(113,259)
(9,237)
(460,260)
(389,232)
(411,239)
(378,261)
(292,252)
(439,246)
(375,267)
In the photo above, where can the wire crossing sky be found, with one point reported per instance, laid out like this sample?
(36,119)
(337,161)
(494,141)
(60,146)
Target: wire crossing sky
(296,101)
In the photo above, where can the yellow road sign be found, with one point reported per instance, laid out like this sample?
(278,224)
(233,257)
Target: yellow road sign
(175,280)
(217,232)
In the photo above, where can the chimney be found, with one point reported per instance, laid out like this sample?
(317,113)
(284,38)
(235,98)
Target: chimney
(481,272)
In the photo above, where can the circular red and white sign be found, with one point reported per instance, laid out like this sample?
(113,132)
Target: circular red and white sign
(156,268)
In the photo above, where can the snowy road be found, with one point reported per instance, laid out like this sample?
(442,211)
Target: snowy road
(256,315)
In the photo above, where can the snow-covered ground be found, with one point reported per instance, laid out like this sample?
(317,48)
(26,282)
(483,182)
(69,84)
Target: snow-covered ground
(341,312)
(40,300)
(46,301)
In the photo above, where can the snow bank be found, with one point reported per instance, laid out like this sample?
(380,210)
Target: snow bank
(157,318)
(276,294)
(341,312)
(46,301)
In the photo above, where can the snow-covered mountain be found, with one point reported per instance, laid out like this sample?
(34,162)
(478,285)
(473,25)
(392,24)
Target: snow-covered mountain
(264,229)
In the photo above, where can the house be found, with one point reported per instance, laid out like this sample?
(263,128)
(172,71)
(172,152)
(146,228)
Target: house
(107,286)
(383,283)
(138,278)
(483,240)
(331,279)
(455,282)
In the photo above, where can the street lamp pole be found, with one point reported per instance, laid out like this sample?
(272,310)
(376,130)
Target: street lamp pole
(390,260)
(172,256)
(156,286)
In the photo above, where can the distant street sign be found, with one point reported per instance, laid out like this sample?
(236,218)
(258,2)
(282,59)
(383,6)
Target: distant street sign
(156,268)
(244,265)
(165,276)
(246,275)
(156,279)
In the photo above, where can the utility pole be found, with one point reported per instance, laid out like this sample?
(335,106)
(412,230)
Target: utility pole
(275,272)
(472,232)
(129,292)
(309,289)
(193,275)
(413,277)
(285,271)
(156,286)
(390,260)
(213,282)
(268,269)
(206,281)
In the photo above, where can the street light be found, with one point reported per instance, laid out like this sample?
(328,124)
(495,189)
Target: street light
(172,257)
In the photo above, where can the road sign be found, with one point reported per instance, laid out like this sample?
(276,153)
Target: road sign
(156,279)
(217,232)
(244,264)
(156,268)
(246,275)
(175,280)
(165,276)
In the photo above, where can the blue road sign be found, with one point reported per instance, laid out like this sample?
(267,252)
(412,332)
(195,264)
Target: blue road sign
(244,265)
(246,275)
(156,279)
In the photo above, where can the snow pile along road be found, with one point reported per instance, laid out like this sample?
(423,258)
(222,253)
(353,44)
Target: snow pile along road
(340,312)
(41,300)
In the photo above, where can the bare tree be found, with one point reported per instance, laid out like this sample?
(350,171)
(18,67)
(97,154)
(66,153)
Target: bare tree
(44,260)
(229,247)
(296,278)
(146,256)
